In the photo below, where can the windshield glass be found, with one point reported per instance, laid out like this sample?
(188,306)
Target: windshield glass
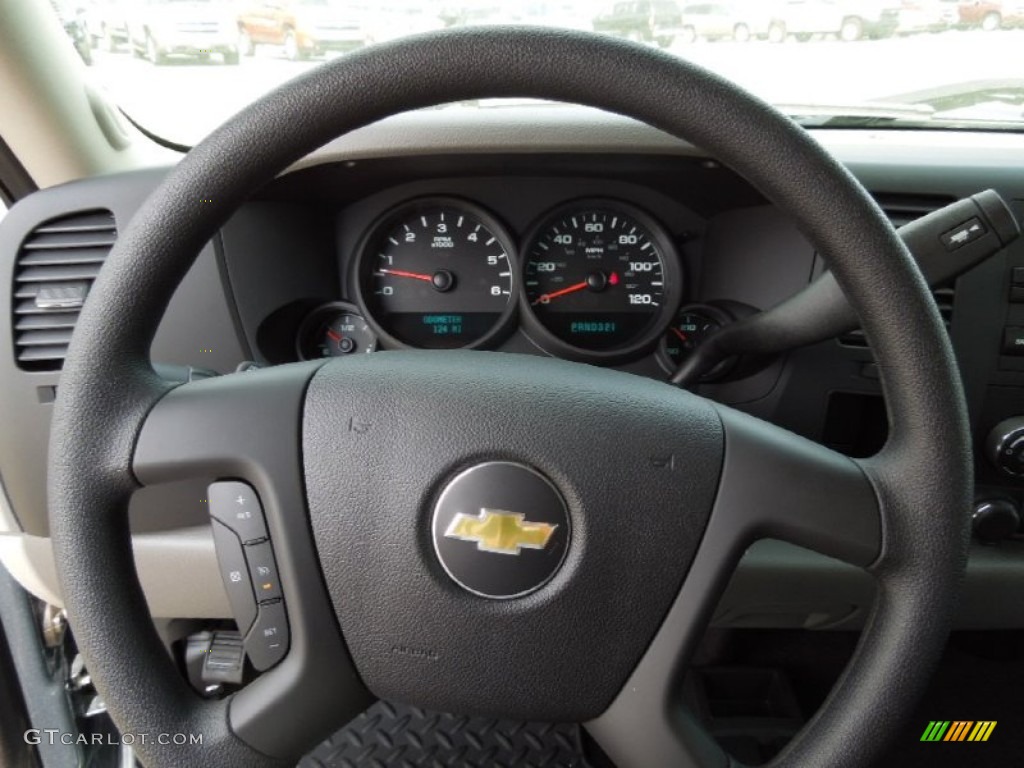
(179,68)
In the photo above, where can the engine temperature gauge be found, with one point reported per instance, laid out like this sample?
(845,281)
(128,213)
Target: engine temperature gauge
(335,330)
(691,327)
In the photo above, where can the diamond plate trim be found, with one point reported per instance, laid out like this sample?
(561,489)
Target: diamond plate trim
(397,736)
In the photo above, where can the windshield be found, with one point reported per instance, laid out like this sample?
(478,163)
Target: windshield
(179,68)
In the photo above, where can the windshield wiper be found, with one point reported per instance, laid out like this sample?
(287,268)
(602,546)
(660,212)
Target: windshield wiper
(857,115)
(992,101)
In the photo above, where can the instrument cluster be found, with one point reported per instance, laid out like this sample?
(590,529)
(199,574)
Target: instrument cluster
(595,280)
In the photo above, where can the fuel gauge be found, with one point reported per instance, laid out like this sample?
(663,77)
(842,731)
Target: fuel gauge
(335,330)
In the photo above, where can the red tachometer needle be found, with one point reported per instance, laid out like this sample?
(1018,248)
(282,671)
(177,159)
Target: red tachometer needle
(403,273)
(565,291)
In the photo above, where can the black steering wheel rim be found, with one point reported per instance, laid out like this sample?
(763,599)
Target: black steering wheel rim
(108,387)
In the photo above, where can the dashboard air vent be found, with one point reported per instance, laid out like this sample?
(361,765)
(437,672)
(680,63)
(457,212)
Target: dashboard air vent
(900,210)
(55,269)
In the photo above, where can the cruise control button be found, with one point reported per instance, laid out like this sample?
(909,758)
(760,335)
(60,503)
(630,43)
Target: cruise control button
(237,506)
(263,570)
(267,641)
(235,573)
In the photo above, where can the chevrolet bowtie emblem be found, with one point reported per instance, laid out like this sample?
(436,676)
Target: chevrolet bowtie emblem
(494,530)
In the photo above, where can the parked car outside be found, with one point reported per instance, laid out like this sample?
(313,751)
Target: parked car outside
(721,21)
(106,24)
(991,16)
(565,14)
(848,20)
(72,17)
(387,22)
(469,13)
(928,16)
(302,28)
(160,29)
(658,21)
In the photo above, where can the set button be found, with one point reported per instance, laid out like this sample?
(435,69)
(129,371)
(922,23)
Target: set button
(238,507)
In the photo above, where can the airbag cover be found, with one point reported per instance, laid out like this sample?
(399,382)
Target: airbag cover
(637,463)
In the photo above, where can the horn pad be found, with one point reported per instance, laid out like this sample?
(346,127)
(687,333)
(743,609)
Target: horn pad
(439,481)
(500,529)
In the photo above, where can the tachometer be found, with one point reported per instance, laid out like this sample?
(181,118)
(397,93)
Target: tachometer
(601,281)
(437,274)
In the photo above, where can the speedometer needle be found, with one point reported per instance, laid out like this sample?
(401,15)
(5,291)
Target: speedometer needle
(544,299)
(403,273)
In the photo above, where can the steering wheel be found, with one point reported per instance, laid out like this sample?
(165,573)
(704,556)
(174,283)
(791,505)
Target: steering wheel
(634,499)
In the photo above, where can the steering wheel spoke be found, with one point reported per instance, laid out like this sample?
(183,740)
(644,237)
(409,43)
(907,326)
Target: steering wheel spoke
(243,425)
(246,427)
(774,484)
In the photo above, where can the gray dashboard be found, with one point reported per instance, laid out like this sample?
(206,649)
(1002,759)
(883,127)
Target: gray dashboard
(289,250)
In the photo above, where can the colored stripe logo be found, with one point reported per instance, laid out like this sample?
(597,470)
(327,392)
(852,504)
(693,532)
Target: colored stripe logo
(958,730)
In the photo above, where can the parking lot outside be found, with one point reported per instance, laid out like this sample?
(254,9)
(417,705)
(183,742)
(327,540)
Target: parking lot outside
(186,99)
(181,68)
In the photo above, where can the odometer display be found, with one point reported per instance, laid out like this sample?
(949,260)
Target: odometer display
(600,278)
(437,274)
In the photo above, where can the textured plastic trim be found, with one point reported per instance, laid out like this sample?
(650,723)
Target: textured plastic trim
(774,485)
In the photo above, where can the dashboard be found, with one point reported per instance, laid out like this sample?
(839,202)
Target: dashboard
(591,279)
(596,280)
(587,237)
(507,256)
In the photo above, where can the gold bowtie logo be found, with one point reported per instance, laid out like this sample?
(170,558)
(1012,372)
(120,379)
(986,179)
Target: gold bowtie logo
(505,533)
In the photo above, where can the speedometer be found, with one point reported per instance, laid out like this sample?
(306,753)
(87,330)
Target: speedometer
(601,281)
(437,273)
